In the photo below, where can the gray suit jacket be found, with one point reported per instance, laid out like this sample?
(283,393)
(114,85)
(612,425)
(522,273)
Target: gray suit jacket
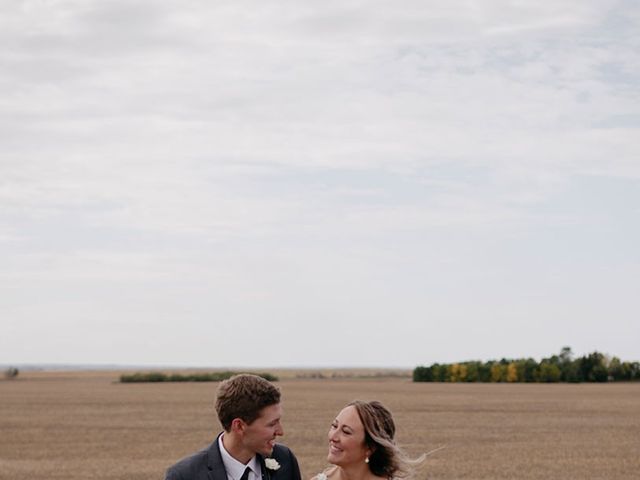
(207,465)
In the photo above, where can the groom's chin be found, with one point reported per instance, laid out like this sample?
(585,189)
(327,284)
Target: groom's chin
(267,451)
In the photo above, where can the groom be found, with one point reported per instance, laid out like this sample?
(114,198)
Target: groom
(249,410)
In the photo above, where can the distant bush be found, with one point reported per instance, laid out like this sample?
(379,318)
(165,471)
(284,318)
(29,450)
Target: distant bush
(594,367)
(11,373)
(139,377)
(353,373)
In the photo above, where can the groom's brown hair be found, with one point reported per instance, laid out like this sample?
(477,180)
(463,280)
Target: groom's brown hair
(244,396)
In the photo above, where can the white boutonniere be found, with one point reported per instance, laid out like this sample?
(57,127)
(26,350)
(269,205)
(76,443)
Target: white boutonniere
(271,463)
(321,476)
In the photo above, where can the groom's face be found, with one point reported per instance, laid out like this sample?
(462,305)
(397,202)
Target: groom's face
(260,436)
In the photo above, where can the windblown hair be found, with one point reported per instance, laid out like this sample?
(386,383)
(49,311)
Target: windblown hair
(387,460)
(244,396)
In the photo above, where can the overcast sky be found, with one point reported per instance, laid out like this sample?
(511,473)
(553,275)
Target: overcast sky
(336,183)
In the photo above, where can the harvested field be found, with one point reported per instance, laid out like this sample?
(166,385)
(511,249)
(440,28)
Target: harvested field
(86,425)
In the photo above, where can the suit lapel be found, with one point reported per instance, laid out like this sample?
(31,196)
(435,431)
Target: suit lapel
(214,462)
(266,473)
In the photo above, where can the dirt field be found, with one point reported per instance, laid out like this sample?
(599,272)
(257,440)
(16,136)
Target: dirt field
(85,425)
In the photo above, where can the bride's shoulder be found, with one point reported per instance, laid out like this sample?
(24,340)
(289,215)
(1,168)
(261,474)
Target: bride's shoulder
(326,474)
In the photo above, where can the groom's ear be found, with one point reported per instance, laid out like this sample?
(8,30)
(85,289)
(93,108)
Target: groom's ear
(238,425)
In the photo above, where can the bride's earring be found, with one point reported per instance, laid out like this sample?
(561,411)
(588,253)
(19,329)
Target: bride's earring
(366,459)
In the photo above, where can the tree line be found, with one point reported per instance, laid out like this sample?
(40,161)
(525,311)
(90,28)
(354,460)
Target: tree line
(145,377)
(593,367)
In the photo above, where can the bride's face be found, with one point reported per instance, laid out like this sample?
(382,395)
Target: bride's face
(346,439)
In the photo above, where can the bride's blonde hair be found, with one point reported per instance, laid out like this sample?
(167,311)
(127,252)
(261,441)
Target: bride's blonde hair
(387,460)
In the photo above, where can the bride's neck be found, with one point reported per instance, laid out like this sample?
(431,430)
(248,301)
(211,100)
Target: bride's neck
(356,472)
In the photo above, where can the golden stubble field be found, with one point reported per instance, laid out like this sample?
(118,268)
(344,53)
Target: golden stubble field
(85,425)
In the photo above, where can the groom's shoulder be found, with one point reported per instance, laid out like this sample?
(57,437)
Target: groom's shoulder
(188,466)
(281,451)
(287,460)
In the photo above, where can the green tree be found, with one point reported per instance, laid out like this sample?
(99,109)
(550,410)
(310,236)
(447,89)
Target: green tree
(615,369)
(567,365)
(593,368)
(472,371)
(423,374)
(548,372)
(484,371)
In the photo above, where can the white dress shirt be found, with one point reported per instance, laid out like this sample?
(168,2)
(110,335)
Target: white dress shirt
(235,469)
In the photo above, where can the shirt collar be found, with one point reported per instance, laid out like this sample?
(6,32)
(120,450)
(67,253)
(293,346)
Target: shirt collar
(234,468)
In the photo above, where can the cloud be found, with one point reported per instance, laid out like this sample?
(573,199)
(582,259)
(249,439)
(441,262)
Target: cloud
(283,150)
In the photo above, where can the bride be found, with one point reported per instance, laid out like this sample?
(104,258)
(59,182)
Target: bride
(362,446)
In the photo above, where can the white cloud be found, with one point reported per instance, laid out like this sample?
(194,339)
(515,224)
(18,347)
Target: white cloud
(279,153)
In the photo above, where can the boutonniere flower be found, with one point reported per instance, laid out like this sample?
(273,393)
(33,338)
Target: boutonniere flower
(271,463)
(321,476)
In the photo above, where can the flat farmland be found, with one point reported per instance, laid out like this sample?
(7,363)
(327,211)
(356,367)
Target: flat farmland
(86,425)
